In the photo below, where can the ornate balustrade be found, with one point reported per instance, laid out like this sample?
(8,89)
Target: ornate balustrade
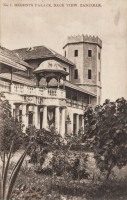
(75,104)
(33,91)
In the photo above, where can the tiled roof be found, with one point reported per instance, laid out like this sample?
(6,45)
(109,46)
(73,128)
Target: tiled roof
(76,87)
(10,62)
(41,52)
(14,57)
(18,79)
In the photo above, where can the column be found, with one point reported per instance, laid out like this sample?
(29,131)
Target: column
(24,117)
(82,122)
(57,119)
(62,129)
(35,117)
(72,120)
(44,122)
(17,111)
(12,107)
(38,118)
(27,114)
(77,123)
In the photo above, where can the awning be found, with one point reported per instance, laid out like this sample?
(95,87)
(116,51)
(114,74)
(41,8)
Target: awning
(9,62)
(18,79)
(76,87)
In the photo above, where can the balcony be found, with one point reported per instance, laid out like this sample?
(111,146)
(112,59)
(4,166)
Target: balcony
(75,104)
(40,92)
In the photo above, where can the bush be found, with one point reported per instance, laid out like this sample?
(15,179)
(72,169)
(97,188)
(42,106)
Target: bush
(106,133)
(68,164)
(10,128)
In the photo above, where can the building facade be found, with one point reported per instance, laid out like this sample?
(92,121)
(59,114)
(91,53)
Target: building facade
(47,89)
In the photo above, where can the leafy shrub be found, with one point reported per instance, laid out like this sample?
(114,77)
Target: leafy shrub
(69,164)
(106,133)
(10,128)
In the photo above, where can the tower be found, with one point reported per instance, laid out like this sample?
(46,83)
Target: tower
(85,52)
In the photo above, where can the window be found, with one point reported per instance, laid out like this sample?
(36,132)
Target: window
(99,76)
(89,53)
(64,78)
(76,53)
(20,115)
(76,74)
(99,55)
(30,118)
(65,53)
(74,96)
(89,74)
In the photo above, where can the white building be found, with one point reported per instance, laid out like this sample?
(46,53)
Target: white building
(47,89)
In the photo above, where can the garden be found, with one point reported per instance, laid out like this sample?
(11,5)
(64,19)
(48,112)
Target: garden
(40,164)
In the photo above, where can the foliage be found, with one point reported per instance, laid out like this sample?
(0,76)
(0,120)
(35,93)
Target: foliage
(75,141)
(70,164)
(44,141)
(44,138)
(10,128)
(62,160)
(6,190)
(106,133)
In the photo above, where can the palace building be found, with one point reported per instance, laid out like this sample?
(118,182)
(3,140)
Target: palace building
(46,89)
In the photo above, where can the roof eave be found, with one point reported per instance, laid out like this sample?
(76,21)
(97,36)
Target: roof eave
(12,64)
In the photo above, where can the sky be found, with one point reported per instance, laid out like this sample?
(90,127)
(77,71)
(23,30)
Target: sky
(32,26)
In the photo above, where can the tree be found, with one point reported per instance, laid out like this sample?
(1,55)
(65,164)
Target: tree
(106,133)
(10,128)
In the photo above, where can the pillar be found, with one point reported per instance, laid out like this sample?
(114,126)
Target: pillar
(72,121)
(35,117)
(24,117)
(62,129)
(77,123)
(27,114)
(82,122)
(44,122)
(38,118)
(12,107)
(57,119)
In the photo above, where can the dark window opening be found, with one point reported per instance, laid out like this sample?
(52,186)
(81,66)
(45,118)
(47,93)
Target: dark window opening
(76,53)
(65,69)
(74,96)
(99,76)
(89,74)
(99,99)
(76,74)
(89,53)
(20,115)
(30,118)
(99,55)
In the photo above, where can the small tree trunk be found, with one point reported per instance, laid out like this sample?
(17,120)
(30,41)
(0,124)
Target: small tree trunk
(109,170)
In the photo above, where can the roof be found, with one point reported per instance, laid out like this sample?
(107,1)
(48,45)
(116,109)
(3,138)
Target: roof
(76,87)
(18,79)
(41,52)
(12,56)
(9,62)
(50,66)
